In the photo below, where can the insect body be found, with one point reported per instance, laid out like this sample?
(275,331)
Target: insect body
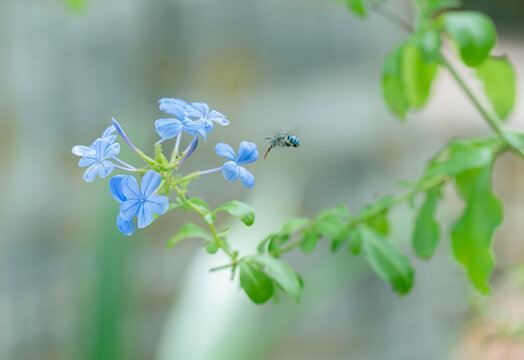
(282,140)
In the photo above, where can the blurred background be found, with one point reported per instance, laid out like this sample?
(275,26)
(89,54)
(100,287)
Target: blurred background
(73,287)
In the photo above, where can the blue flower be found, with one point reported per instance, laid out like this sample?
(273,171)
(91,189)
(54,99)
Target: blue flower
(200,111)
(80,150)
(96,159)
(232,170)
(170,127)
(115,186)
(141,202)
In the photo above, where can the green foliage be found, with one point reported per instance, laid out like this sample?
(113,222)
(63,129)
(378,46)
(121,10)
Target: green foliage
(189,230)
(281,273)
(417,75)
(355,242)
(429,42)
(385,258)
(427,232)
(393,86)
(309,241)
(212,247)
(257,285)
(429,7)
(407,76)
(240,210)
(498,77)
(472,234)
(357,7)
(474,34)
(76,5)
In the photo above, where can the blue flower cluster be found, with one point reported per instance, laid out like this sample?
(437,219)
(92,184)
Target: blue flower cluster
(195,119)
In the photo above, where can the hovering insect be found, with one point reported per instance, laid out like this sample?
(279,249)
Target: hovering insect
(282,140)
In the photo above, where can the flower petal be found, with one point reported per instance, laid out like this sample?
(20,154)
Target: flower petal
(91,173)
(230,171)
(150,183)
(247,179)
(193,127)
(168,128)
(125,227)
(115,186)
(105,168)
(145,216)
(81,150)
(247,153)
(197,110)
(111,150)
(225,151)
(157,204)
(130,208)
(88,160)
(107,132)
(172,106)
(218,117)
(130,188)
(209,126)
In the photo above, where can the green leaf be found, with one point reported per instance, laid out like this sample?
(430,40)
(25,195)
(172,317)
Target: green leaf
(393,88)
(282,273)
(199,203)
(357,7)
(309,242)
(340,239)
(340,210)
(385,258)
(330,226)
(472,235)
(294,224)
(239,210)
(417,75)
(276,241)
(427,231)
(463,155)
(189,230)
(76,5)
(212,247)
(257,285)
(379,223)
(498,77)
(355,242)
(429,42)
(428,7)
(474,34)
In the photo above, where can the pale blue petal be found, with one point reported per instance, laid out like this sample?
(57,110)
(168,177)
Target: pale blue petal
(105,168)
(87,160)
(225,151)
(118,128)
(209,126)
(168,128)
(150,183)
(111,151)
(107,132)
(197,110)
(129,209)
(172,106)
(90,173)
(100,146)
(130,188)
(125,227)
(81,150)
(218,118)
(247,179)
(247,153)
(157,204)
(194,127)
(145,217)
(230,171)
(115,186)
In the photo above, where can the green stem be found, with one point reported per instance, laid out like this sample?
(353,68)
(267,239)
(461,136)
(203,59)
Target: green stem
(212,228)
(144,157)
(493,121)
(378,210)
